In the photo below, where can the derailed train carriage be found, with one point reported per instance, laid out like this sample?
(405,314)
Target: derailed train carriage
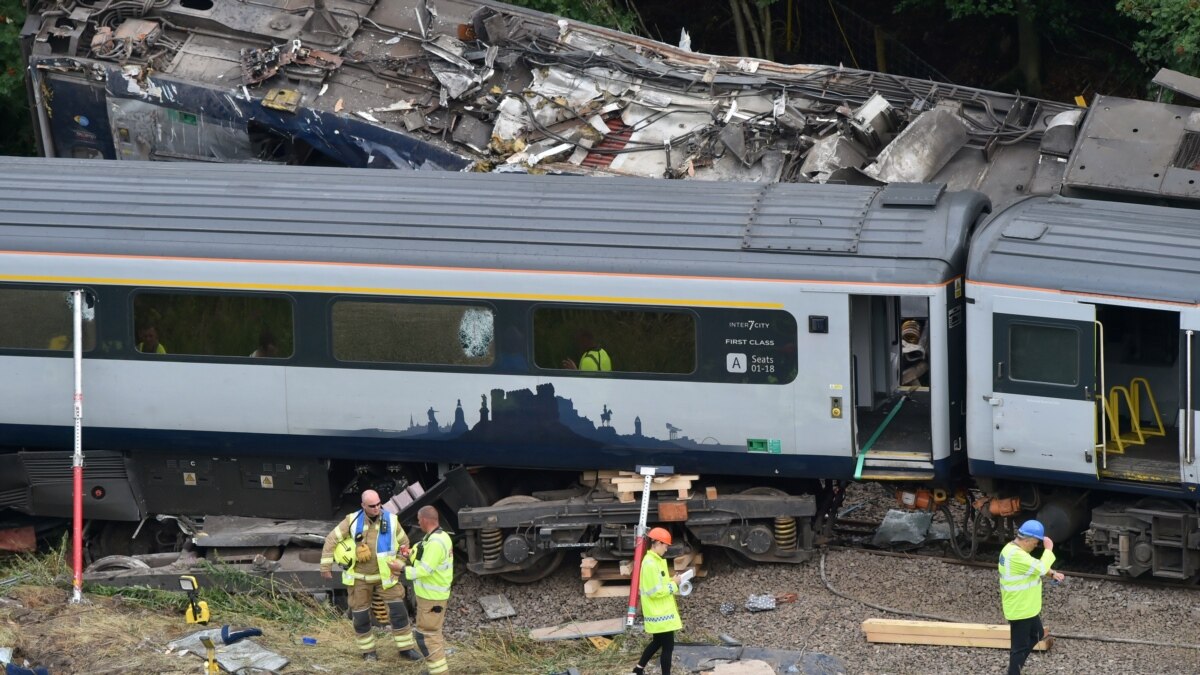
(326,330)
(754,332)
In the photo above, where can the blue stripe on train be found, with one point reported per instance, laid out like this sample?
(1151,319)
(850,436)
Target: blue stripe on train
(388,448)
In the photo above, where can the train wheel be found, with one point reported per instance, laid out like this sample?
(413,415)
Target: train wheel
(545,565)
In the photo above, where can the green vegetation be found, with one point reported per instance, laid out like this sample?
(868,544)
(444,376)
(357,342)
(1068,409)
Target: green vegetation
(636,341)
(1169,34)
(15,119)
(618,14)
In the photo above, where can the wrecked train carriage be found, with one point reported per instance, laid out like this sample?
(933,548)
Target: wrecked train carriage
(454,85)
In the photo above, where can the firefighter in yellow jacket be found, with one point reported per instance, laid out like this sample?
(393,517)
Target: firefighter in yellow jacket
(431,571)
(366,544)
(659,611)
(1021,590)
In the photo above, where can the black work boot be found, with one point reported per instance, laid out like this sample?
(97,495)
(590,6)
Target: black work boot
(411,654)
(370,656)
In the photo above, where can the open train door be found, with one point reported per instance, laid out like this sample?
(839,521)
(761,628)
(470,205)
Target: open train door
(1044,385)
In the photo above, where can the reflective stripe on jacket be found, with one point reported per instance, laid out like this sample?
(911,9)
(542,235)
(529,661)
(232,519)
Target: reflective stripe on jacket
(387,546)
(657,590)
(1021,581)
(431,566)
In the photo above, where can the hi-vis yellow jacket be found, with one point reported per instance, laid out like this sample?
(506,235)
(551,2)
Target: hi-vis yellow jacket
(1021,581)
(658,591)
(384,537)
(431,567)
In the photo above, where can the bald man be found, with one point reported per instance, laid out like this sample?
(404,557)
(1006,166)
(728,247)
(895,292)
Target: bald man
(367,544)
(431,569)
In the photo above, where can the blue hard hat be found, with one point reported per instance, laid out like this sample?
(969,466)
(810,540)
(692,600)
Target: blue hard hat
(1032,528)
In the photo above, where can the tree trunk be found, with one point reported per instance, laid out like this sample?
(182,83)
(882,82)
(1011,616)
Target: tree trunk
(768,32)
(752,27)
(739,27)
(1029,48)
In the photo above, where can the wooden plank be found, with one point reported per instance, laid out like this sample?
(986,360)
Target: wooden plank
(578,629)
(907,627)
(587,567)
(905,631)
(948,640)
(596,588)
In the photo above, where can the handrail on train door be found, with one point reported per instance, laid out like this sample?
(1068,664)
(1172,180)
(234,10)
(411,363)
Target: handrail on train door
(1101,447)
(1189,443)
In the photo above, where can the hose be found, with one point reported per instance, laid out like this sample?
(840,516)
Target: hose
(945,511)
(933,617)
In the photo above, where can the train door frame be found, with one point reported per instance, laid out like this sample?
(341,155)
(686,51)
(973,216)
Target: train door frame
(1044,425)
(1189,365)
(1142,355)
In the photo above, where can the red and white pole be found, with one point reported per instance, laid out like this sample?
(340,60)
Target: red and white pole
(648,472)
(77,461)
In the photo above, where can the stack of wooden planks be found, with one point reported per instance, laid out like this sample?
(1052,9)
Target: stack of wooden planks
(898,631)
(610,578)
(626,485)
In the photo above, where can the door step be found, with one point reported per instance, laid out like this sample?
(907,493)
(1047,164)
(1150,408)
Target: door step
(896,465)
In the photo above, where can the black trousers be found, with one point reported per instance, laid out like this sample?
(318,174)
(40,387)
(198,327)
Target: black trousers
(1025,634)
(667,642)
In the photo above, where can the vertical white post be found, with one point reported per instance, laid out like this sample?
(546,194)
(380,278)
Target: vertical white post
(77,461)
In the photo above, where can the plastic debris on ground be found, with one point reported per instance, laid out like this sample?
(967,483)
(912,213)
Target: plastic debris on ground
(243,655)
(728,608)
(902,527)
(760,603)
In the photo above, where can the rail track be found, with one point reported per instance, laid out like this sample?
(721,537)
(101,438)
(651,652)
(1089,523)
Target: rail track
(844,528)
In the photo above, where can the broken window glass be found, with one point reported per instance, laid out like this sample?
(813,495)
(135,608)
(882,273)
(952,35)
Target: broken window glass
(40,319)
(413,332)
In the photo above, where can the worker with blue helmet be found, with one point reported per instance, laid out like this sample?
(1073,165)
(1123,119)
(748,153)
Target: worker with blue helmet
(1021,589)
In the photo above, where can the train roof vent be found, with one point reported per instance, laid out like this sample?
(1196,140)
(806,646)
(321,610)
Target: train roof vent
(1188,154)
(911,194)
(1025,229)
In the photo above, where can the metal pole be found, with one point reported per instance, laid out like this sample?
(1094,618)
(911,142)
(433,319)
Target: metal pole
(639,550)
(635,575)
(77,461)
(1189,448)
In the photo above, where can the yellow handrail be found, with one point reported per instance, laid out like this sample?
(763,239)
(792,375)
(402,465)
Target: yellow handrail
(1135,393)
(1135,436)
(1112,425)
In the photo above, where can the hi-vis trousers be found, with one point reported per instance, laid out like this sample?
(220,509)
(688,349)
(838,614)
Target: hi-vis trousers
(431,614)
(360,612)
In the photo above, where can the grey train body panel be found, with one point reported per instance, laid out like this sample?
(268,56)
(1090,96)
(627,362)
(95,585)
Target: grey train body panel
(734,255)
(614,225)
(1111,288)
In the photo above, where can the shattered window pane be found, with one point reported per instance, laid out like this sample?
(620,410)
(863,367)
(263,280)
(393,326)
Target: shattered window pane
(417,333)
(39,319)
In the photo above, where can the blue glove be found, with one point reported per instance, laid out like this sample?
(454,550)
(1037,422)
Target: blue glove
(230,638)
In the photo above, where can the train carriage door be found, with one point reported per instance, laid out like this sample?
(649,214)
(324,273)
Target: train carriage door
(1044,385)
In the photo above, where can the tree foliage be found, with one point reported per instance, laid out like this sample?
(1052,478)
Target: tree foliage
(616,14)
(15,121)
(1170,32)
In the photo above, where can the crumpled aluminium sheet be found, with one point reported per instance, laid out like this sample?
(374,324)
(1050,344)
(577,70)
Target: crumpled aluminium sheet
(235,657)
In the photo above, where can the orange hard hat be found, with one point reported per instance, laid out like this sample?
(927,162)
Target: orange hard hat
(660,534)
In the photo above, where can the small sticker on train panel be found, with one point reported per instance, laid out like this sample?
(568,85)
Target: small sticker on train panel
(266,481)
(189,478)
(735,363)
(835,387)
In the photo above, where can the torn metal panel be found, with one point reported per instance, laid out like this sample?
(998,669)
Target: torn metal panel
(459,84)
(923,148)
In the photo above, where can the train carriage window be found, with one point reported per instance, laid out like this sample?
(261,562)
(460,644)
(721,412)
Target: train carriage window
(198,324)
(1040,353)
(625,340)
(39,319)
(441,334)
